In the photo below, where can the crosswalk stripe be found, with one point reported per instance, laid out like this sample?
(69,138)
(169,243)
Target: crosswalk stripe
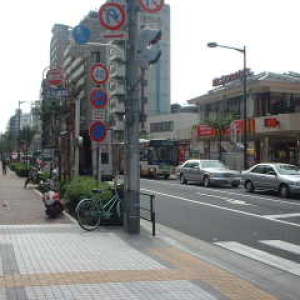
(283,246)
(262,256)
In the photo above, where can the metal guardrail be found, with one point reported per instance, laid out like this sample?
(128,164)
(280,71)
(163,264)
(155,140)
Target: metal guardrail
(151,210)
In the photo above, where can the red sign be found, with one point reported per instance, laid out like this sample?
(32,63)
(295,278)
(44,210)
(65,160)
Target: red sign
(238,127)
(234,76)
(55,77)
(112,16)
(206,130)
(271,122)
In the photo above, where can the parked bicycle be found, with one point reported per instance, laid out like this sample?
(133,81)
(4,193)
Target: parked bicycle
(90,211)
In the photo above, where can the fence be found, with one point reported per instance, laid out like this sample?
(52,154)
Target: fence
(147,209)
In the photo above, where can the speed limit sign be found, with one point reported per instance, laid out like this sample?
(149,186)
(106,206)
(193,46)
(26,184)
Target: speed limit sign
(99,73)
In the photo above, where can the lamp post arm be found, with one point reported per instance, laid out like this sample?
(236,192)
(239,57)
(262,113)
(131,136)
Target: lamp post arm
(233,48)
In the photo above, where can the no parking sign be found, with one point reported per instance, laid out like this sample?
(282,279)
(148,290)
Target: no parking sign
(98,131)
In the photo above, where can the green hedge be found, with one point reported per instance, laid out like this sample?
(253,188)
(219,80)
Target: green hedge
(21,169)
(81,187)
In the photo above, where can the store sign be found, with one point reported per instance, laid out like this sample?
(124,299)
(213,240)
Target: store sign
(234,76)
(271,122)
(238,126)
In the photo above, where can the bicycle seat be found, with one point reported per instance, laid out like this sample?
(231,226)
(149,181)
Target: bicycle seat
(96,191)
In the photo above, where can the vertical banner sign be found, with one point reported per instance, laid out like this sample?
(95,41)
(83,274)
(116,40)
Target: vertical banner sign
(112,16)
(55,77)
(99,73)
(152,6)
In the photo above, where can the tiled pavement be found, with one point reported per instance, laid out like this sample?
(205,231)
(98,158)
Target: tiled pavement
(60,261)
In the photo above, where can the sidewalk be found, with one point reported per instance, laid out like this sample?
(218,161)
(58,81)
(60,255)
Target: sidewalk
(57,260)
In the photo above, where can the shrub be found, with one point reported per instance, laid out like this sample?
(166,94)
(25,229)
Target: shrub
(81,187)
(21,169)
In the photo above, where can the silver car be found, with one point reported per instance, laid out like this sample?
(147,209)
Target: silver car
(282,178)
(208,172)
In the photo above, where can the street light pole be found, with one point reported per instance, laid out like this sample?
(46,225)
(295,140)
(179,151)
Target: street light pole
(241,50)
(245,114)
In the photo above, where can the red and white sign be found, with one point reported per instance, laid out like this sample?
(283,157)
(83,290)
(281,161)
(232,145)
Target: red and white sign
(152,6)
(99,73)
(234,76)
(55,77)
(271,122)
(112,16)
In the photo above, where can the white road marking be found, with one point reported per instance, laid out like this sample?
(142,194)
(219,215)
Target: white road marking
(221,207)
(229,193)
(283,216)
(230,200)
(283,246)
(262,256)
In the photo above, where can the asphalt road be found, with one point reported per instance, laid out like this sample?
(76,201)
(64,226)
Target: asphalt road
(262,226)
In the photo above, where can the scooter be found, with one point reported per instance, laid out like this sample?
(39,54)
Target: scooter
(52,199)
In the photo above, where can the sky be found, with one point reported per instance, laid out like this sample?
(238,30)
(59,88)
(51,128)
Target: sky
(268,29)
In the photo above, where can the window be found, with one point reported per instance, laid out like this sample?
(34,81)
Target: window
(104,158)
(269,170)
(258,170)
(162,126)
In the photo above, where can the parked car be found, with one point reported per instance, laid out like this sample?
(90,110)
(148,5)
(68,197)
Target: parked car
(282,178)
(208,172)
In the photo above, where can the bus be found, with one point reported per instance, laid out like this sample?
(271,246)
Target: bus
(158,157)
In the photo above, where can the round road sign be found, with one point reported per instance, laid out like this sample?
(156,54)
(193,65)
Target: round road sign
(152,6)
(81,34)
(99,73)
(98,131)
(112,16)
(98,98)
(55,77)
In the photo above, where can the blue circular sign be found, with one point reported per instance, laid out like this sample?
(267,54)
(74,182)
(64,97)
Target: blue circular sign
(98,131)
(81,34)
(98,98)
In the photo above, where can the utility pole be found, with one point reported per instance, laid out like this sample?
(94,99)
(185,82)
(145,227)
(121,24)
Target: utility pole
(132,122)
(19,131)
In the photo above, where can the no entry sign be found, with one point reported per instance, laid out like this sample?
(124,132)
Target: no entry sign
(112,16)
(152,6)
(99,73)
(98,98)
(98,131)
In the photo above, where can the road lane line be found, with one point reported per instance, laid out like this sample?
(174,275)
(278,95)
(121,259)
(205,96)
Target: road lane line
(230,200)
(229,193)
(283,216)
(283,246)
(262,256)
(222,207)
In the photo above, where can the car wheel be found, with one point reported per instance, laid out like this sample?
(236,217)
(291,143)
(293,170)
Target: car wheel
(182,179)
(284,191)
(249,187)
(206,181)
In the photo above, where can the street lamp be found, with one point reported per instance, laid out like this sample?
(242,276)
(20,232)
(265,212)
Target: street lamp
(241,50)
(19,129)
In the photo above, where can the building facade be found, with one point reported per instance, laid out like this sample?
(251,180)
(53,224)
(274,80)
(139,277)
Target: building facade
(273,120)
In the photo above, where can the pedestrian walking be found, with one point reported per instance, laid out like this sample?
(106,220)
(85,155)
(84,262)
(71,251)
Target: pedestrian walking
(4,165)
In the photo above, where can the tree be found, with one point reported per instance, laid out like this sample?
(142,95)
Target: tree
(220,124)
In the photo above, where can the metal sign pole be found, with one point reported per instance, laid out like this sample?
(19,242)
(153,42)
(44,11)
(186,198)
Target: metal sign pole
(99,164)
(132,112)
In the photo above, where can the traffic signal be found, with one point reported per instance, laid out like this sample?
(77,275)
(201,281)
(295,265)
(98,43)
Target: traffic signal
(148,47)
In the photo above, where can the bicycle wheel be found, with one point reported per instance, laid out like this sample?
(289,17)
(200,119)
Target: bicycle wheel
(88,216)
